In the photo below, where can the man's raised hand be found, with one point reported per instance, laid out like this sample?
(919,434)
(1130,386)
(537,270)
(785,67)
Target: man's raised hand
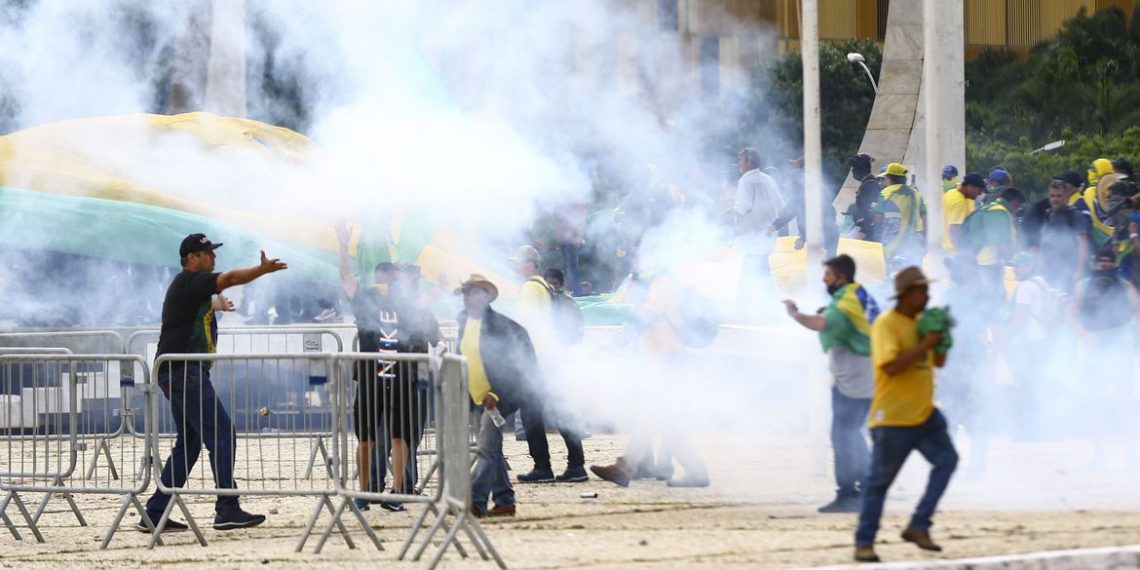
(271,265)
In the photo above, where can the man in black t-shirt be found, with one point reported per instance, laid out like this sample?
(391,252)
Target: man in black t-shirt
(388,409)
(189,327)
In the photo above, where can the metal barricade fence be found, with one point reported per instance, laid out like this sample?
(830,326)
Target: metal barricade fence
(53,406)
(243,408)
(273,340)
(452,510)
(78,342)
(385,419)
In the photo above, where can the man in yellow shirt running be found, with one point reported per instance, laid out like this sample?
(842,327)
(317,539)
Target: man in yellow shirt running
(957,205)
(903,416)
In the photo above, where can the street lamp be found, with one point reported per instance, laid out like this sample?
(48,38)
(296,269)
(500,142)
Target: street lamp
(857,58)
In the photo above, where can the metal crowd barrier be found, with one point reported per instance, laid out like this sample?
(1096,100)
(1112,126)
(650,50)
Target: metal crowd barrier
(383,405)
(452,510)
(52,406)
(272,340)
(254,395)
(78,342)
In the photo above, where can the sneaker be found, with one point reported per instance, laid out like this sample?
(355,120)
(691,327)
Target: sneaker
(392,506)
(501,511)
(842,505)
(616,473)
(537,476)
(689,481)
(233,519)
(866,554)
(476,512)
(573,475)
(171,524)
(921,539)
(361,504)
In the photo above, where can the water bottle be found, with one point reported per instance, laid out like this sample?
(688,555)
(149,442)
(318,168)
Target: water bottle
(497,417)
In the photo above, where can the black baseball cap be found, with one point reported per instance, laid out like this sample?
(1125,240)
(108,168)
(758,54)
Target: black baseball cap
(194,243)
(1071,178)
(974,179)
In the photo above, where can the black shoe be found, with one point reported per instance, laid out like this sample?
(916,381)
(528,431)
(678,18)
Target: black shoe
(392,506)
(537,476)
(171,524)
(234,519)
(842,505)
(573,475)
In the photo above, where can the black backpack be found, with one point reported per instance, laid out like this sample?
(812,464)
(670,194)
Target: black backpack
(1105,304)
(567,315)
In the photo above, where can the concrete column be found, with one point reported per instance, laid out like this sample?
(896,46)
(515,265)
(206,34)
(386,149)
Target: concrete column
(225,81)
(813,154)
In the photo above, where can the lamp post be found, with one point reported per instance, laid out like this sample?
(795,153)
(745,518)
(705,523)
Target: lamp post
(857,58)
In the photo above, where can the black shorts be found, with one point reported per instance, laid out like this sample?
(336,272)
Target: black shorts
(393,403)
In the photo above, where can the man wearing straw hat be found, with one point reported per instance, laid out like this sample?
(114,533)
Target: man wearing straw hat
(903,416)
(500,359)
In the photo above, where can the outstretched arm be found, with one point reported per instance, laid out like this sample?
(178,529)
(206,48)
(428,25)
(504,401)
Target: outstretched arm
(236,277)
(811,322)
(346,279)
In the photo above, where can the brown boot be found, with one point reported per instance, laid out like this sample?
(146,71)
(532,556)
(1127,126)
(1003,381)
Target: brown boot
(921,539)
(619,473)
(866,554)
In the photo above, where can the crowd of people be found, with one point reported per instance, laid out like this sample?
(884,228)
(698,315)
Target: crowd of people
(1073,258)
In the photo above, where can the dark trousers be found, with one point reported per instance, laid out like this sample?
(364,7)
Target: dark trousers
(199,418)
(892,445)
(382,449)
(573,282)
(848,416)
(532,418)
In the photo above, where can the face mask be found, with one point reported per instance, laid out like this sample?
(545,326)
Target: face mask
(833,287)
(381,287)
(1104,273)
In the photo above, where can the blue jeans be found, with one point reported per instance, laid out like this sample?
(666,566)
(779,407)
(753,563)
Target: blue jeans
(199,418)
(892,445)
(489,477)
(848,416)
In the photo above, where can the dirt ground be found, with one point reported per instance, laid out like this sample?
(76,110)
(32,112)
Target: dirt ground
(759,512)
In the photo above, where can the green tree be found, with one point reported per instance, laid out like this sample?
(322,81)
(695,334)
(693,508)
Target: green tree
(768,113)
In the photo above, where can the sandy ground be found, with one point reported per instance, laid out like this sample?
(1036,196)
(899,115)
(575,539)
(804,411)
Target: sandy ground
(759,512)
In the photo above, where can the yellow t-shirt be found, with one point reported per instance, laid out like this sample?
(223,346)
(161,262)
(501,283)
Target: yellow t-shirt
(536,313)
(905,399)
(477,382)
(955,207)
(662,307)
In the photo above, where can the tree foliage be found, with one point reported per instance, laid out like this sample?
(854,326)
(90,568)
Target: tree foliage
(768,113)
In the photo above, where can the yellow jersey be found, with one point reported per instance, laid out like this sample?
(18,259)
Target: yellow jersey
(955,207)
(477,382)
(904,399)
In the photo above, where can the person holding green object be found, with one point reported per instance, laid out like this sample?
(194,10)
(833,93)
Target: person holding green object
(903,416)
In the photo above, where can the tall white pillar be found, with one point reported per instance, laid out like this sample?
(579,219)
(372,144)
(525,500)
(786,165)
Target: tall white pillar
(813,159)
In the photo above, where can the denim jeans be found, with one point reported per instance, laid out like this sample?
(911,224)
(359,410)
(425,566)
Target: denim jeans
(489,476)
(199,418)
(848,416)
(892,445)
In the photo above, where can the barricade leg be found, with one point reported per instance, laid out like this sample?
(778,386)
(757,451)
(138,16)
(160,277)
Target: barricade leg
(319,446)
(58,482)
(175,499)
(14,497)
(130,499)
(104,448)
(7,520)
(336,520)
(327,504)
